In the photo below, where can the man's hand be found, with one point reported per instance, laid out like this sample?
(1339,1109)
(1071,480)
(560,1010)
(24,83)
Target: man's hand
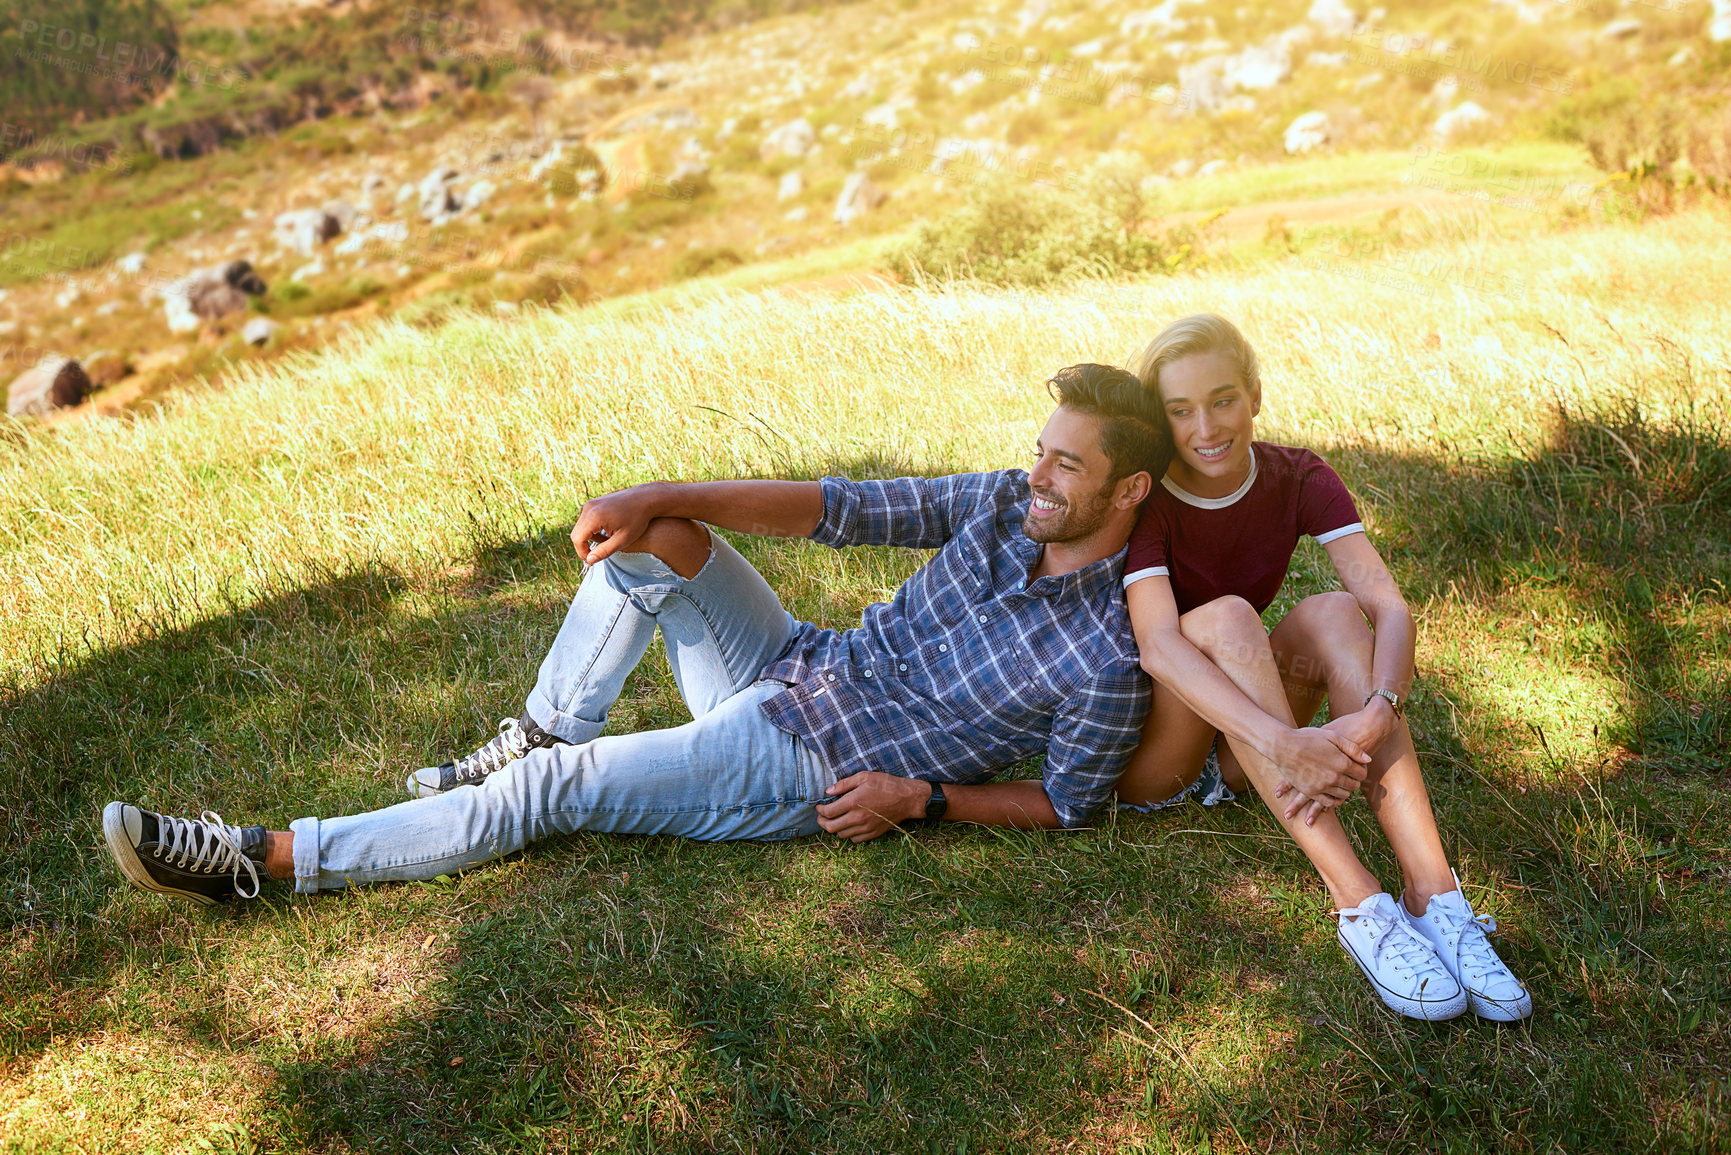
(1322,767)
(868,804)
(606,525)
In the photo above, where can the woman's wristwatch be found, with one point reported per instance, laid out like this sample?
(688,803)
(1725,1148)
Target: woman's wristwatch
(1393,700)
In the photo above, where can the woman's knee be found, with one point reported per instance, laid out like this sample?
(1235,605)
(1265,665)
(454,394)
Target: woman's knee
(1228,622)
(1322,621)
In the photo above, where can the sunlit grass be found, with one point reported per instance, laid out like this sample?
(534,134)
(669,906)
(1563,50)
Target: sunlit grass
(272,597)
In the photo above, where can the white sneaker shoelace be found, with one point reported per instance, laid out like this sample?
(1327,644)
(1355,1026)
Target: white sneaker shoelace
(1397,945)
(510,744)
(205,845)
(1464,934)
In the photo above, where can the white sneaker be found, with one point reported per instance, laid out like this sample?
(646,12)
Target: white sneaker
(1401,964)
(1458,934)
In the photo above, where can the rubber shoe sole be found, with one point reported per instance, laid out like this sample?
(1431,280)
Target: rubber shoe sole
(1428,1010)
(126,857)
(1501,1010)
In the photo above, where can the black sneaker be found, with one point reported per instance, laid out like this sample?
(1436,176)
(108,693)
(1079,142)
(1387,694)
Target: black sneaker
(516,737)
(196,858)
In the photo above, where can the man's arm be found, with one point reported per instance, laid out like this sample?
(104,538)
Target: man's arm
(609,524)
(1091,739)
(869,803)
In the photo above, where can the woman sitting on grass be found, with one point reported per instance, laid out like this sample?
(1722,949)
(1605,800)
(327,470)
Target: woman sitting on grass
(1209,555)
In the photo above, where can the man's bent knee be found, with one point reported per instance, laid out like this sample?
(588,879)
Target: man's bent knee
(680,543)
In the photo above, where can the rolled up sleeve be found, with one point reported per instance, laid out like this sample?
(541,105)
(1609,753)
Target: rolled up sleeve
(914,512)
(1092,739)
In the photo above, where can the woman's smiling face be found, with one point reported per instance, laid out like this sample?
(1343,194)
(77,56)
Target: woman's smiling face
(1213,419)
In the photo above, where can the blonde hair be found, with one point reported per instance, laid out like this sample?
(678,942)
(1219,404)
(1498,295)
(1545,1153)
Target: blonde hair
(1198,333)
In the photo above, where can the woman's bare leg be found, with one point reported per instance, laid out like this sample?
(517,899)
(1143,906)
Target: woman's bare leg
(1325,647)
(1229,632)
(1170,756)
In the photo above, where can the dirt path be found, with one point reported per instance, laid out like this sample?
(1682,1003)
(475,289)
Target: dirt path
(1250,222)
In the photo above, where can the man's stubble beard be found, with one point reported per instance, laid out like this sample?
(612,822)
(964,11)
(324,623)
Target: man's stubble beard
(1076,524)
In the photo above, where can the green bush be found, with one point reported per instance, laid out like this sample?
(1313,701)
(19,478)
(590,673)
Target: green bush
(1018,233)
(705,259)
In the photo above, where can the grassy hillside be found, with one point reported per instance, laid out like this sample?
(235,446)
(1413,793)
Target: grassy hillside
(1187,106)
(272,598)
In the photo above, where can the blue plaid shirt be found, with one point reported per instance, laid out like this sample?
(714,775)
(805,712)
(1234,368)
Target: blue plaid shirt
(971,667)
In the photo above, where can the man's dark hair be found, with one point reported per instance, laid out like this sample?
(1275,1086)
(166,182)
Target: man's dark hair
(1133,428)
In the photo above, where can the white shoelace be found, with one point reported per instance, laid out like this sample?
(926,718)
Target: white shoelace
(1466,938)
(1391,937)
(511,743)
(178,841)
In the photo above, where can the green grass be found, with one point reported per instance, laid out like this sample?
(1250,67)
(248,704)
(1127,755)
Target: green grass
(272,598)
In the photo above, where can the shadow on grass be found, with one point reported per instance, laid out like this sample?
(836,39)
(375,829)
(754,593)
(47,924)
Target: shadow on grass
(1156,983)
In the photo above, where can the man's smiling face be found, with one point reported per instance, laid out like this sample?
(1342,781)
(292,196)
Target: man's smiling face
(1071,478)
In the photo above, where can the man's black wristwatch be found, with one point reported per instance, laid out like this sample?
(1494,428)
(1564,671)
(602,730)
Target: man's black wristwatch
(936,804)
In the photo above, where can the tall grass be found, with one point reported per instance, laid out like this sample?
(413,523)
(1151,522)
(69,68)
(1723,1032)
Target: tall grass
(271,598)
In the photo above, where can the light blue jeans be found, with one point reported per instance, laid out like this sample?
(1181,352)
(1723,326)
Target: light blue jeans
(726,774)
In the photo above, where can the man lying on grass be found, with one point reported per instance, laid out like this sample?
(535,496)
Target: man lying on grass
(1012,640)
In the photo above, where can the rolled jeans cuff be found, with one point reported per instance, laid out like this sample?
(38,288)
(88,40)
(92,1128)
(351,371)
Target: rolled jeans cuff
(306,854)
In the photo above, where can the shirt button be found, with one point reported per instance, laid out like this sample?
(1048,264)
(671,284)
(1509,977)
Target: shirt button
(832,677)
(868,673)
(982,617)
(904,665)
(943,648)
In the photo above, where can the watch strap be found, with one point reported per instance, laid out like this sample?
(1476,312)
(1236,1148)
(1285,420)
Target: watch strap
(937,803)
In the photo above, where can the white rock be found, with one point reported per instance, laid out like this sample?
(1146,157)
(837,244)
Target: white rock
(304,230)
(1202,85)
(67,296)
(973,78)
(1333,17)
(478,194)
(792,184)
(1620,29)
(1261,66)
(858,197)
(1308,132)
(883,116)
(1212,167)
(1442,93)
(796,214)
(1325,60)
(1090,48)
(131,264)
(108,310)
(1682,56)
(258,331)
(310,269)
(405,192)
(1162,20)
(1181,168)
(795,138)
(1467,114)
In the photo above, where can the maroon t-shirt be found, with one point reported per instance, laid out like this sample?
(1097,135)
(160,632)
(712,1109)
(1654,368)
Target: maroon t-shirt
(1241,544)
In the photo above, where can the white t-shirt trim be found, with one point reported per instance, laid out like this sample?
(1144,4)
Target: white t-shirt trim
(1150,571)
(1337,534)
(1189,498)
